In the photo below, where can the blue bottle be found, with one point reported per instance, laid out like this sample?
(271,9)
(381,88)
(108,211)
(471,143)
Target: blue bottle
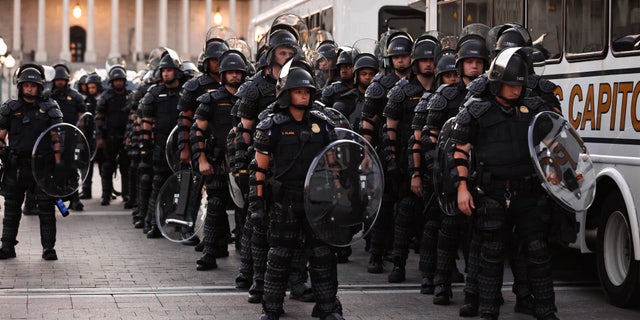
(63,209)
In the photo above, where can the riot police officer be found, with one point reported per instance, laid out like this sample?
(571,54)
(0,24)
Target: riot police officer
(333,91)
(72,106)
(471,61)
(23,120)
(208,139)
(159,112)
(94,89)
(398,56)
(350,103)
(399,110)
(112,116)
(254,96)
(286,142)
(328,50)
(510,191)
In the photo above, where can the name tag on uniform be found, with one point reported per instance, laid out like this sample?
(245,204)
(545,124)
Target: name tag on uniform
(162,95)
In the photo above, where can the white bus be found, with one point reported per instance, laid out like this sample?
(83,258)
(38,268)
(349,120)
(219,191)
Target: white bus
(593,54)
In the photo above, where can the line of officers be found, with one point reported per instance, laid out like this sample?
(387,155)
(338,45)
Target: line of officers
(264,127)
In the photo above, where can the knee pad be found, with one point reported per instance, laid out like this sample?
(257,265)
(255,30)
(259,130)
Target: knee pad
(538,252)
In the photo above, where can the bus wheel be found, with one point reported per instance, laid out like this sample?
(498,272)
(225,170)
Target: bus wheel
(617,270)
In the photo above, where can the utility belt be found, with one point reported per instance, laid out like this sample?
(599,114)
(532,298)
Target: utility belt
(16,159)
(523,185)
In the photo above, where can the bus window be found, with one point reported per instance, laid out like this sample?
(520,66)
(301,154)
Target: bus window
(625,25)
(509,11)
(586,28)
(544,18)
(476,12)
(449,17)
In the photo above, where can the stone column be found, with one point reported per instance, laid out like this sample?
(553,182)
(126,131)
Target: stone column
(41,53)
(208,8)
(90,50)
(65,54)
(162,26)
(139,32)
(17,32)
(114,51)
(232,16)
(185,31)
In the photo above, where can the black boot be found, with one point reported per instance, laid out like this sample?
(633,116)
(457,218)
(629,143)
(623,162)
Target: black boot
(302,292)
(49,254)
(86,193)
(243,282)
(256,291)
(76,205)
(525,305)
(442,295)
(154,232)
(470,306)
(427,286)
(398,274)
(375,264)
(550,316)
(206,262)
(7,253)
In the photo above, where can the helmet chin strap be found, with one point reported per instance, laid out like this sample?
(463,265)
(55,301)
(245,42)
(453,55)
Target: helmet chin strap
(299,106)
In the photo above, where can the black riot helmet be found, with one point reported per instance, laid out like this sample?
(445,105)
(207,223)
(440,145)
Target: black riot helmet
(200,62)
(364,60)
(509,67)
(399,43)
(513,36)
(291,78)
(61,72)
(170,59)
(446,62)
(423,48)
(232,60)
(94,78)
(328,49)
(213,49)
(117,72)
(30,72)
(190,69)
(345,56)
(281,38)
(471,48)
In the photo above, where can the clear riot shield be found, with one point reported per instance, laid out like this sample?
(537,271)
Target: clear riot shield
(179,214)
(562,161)
(61,158)
(442,180)
(87,124)
(172,149)
(343,192)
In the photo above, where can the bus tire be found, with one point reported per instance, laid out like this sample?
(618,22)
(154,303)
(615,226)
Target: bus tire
(617,270)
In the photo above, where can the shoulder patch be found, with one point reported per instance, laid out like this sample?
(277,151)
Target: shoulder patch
(437,103)
(413,89)
(477,106)
(375,91)
(479,85)
(421,107)
(266,88)
(219,94)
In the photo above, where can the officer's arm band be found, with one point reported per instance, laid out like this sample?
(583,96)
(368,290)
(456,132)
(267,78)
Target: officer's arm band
(198,130)
(147,121)
(415,170)
(461,179)
(416,150)
(183,117)
(196,139)
(367,132)
(434,135)
(258,169)
(461,163)
(387,129)
(143,132)
(244,130)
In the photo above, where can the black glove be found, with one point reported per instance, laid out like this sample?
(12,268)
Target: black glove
(257,212)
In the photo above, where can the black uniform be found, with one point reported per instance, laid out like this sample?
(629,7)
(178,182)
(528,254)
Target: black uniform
(90,103)
(444,104)
(332,92)
(24,122)
(511,194)
(159,104)
(350,105)
(138,171)
(279,136)
(215,108)
(112,115)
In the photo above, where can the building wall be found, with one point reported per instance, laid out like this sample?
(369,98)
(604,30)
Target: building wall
(102,25)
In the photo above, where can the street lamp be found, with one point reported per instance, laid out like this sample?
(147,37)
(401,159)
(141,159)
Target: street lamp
(9,62)
(77,11)
(217,17)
